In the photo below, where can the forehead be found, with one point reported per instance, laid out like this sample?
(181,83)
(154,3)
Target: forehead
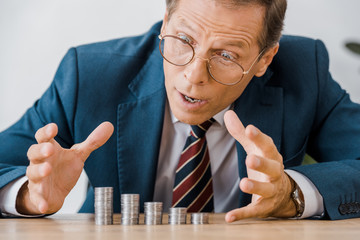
(214,19)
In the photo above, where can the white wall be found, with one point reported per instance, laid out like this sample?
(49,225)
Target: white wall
(335,22)
(35,34)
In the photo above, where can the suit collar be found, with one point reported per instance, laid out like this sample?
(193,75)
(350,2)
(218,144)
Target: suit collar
(150,78)
(219,117)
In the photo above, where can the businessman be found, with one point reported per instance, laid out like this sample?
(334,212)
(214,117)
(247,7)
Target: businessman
(211,110)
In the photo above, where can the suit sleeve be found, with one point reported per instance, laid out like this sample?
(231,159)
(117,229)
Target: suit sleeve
(57,105)
(335,143)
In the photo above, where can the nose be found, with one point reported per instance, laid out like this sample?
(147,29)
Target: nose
(196,72)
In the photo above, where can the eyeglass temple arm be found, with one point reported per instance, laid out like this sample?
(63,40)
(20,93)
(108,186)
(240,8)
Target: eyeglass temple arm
(256,59)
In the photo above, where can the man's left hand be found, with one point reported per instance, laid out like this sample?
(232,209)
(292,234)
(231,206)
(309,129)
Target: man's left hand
(269,185)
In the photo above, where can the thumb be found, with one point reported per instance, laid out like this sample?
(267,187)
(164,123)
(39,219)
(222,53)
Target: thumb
(249,211)
(237,129)
(96,139)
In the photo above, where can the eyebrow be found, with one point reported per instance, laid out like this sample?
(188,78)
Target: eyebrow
(232,43)
(183,23)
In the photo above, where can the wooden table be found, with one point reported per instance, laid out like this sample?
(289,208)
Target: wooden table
(82,226)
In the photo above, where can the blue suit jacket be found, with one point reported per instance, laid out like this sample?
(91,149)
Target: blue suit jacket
(296,103)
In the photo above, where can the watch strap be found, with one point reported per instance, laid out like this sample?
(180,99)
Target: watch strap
(298,201)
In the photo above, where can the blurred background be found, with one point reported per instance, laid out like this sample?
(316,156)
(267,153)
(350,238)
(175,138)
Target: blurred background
(35,35)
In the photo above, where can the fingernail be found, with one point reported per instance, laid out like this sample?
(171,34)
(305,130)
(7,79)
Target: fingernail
(232,218)
(250,185)
(43,170)
(256,161)
(44,151)
(254,131)
(48,130)
(42,207)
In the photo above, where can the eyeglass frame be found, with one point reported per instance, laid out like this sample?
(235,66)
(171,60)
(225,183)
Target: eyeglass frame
(208,66)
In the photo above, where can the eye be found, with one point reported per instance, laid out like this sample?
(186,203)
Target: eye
(226,55)
(185,38)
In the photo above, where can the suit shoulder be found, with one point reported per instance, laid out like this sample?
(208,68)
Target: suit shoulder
(294,38)
(300,50)
(299,59)
(135,46)
(300,44)
(296,44)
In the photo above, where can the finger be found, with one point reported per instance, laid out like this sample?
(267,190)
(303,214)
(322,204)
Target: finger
(46,133)
(37,172)
(39,152)
(95,140)
(264,189)
(43,206)
(39,202)
(271,168)
(37,197)
(262,141)
(249,211)
(237,129)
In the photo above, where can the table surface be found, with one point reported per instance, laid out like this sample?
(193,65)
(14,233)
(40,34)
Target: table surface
(82,226)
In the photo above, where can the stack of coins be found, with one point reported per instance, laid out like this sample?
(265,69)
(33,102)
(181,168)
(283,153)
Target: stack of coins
(199,218)
(130,209)
(153,213)
(177,215)
(103,205)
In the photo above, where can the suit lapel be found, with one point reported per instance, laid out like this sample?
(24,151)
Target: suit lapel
(139,129)
(262,106)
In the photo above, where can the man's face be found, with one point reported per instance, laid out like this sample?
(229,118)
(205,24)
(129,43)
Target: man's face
(212,29)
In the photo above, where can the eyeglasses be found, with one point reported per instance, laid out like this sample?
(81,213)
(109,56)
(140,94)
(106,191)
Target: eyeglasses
(223,70)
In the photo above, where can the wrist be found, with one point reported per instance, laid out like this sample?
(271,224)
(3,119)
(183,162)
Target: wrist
(297,198)
(289,208)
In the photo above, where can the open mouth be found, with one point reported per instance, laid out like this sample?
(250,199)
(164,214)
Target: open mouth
(191,100)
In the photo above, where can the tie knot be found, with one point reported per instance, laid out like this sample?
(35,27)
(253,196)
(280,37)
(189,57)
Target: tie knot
(199,130)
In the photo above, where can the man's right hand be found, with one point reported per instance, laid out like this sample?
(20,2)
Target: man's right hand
(53,171)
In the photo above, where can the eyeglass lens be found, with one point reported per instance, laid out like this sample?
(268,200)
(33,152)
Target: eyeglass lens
(179,52)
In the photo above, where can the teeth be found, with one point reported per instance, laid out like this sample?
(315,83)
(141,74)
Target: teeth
(189,99)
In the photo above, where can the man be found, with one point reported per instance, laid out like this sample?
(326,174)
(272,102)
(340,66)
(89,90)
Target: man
(208,63)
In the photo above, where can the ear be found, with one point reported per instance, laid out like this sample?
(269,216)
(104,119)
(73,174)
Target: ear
(165,21)
(265,60)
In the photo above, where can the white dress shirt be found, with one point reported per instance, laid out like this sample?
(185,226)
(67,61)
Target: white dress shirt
(224,168)
(223,161)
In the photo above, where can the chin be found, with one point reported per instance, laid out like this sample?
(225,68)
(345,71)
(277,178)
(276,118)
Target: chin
(191,119)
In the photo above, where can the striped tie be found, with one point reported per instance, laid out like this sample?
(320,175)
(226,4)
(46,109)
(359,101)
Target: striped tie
(193,183)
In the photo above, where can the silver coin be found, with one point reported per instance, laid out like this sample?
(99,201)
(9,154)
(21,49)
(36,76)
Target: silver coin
(199,218)
(127,221)
(178,210)
(130,209)
(153,213)
(177,215)
(103,204)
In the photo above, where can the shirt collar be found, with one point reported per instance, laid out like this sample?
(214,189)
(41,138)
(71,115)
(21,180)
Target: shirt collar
(219,117)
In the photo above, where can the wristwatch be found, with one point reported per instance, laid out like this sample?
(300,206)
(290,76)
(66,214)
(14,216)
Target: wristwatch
(299,203)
